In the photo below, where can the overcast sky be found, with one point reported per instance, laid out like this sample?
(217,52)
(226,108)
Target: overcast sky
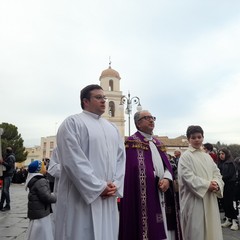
(181,58)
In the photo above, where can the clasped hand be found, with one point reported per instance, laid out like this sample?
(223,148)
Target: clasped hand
(163,184)
(213,187)
(109,191)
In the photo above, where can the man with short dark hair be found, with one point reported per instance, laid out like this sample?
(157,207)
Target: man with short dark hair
(92,158)
(208,148)
(200,184)
(9,163)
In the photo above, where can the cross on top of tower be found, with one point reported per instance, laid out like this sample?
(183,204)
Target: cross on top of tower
(110,62)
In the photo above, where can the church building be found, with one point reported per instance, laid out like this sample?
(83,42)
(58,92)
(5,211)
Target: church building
(110,82)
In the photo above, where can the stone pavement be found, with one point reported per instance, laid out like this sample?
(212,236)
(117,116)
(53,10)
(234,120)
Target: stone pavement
(14,223)
(228,234)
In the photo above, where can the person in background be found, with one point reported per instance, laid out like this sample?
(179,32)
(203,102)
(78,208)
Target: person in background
(92,158)
(208,148)
(237,185)
(200,184)
(54,170)
(147,209)
(20,175)
(39,203)
(177,155)
(49,177)
(171,160)
(175,175)
(9,164)
(228,171)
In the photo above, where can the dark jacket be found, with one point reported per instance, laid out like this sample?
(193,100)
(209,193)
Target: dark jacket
(39,198)
(227,170)
(9,163)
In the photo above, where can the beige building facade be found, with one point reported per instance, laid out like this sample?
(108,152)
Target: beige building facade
(39,152)
(47,146)
(34,153)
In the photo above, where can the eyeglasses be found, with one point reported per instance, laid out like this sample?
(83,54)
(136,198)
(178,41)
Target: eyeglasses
(147,118)
(100,98)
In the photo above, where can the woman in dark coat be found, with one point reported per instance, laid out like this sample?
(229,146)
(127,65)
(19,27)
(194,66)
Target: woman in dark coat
(228,171)
(237,186)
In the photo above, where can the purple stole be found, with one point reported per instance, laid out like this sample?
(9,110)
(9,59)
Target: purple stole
(140,212)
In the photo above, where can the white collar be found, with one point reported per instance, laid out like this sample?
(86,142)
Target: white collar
(148,136)
(94,115)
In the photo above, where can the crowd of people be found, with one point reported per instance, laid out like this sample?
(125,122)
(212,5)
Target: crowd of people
(74,194)
(20,175)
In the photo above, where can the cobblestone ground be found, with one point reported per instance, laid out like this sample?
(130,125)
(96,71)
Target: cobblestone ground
(14,223)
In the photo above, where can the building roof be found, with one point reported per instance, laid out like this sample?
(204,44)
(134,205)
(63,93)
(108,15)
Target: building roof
(110,73)
(180,141)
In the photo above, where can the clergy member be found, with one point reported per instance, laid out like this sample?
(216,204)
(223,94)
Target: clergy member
(200,183)
(147,210)
(92,157)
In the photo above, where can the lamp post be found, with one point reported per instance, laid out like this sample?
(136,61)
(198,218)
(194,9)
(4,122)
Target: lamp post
(129,101)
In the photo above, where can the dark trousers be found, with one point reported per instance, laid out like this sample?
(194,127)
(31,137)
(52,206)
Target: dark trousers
(228,197)
(5,190)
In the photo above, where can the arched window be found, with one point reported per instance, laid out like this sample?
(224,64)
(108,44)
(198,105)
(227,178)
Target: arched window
(111,85)
(111,107)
